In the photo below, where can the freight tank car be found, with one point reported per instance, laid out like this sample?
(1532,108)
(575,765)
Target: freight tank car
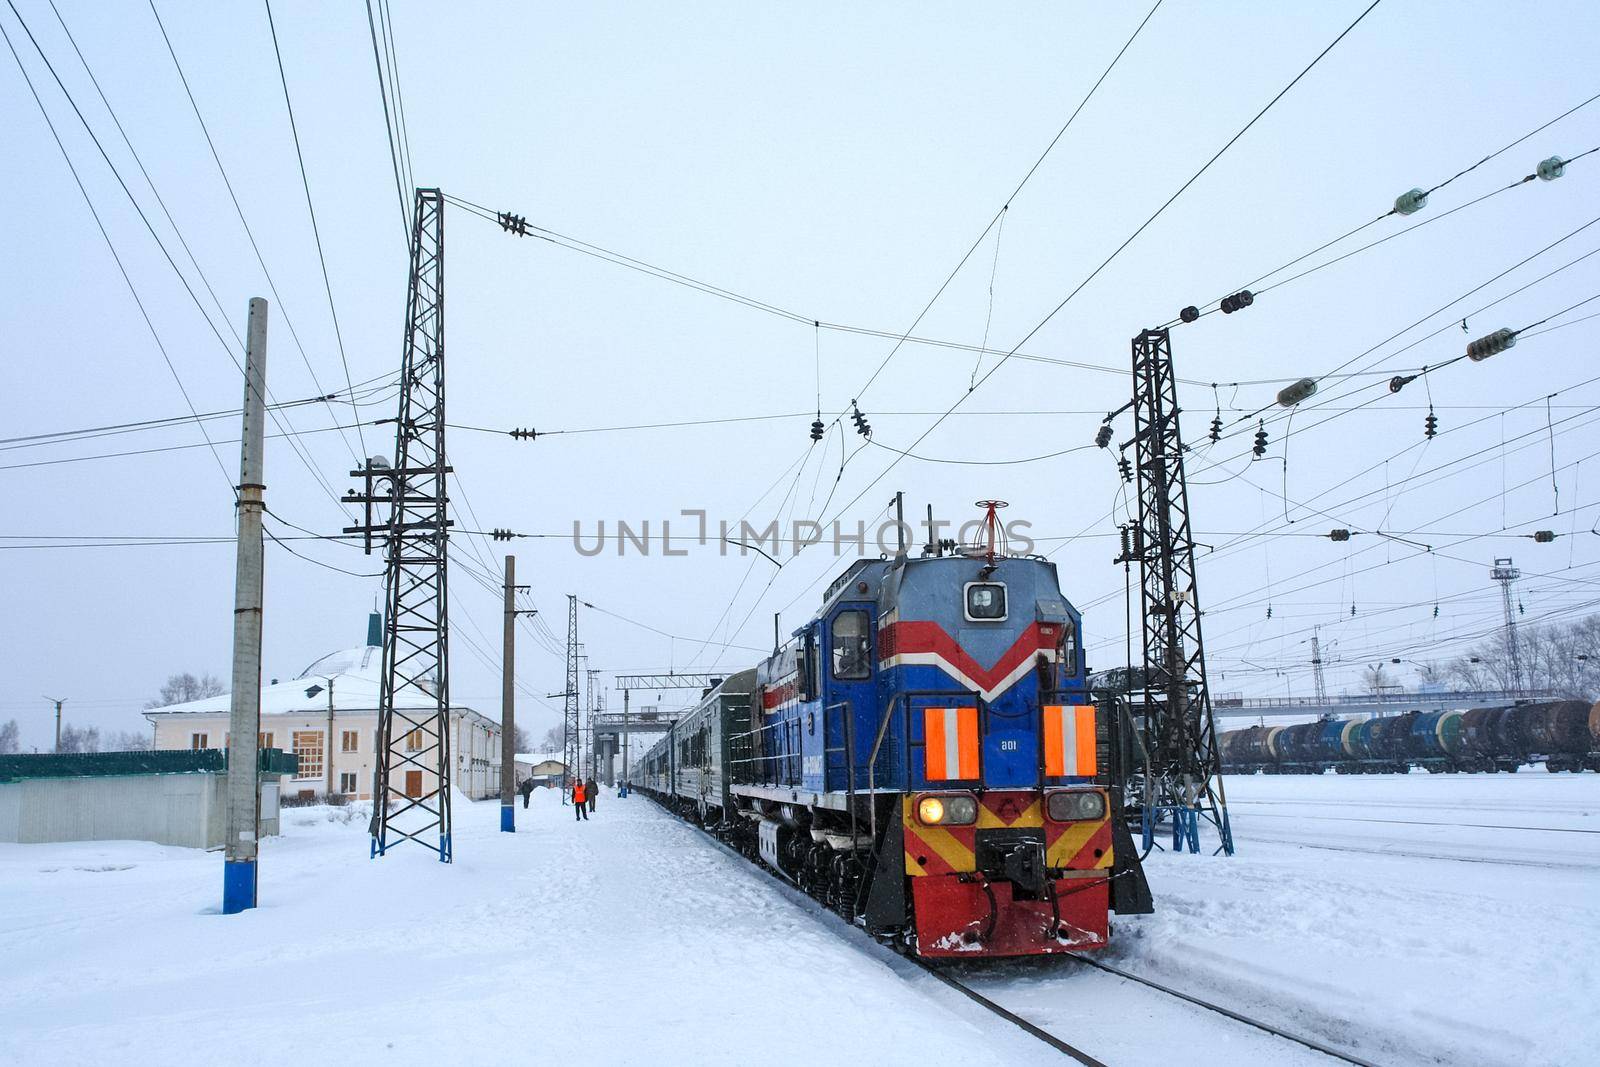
(923,755)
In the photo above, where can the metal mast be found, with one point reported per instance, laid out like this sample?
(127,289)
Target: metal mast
(1507,575)
(1184,776)
(572,744)
(411,793)
(1316,667)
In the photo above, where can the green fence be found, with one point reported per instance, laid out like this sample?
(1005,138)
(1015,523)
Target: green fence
(158,761)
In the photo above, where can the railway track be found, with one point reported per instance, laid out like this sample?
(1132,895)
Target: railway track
(999,1010)
(1081,1056)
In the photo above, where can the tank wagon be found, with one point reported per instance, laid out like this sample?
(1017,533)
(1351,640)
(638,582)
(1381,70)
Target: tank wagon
(1563,734)
(923,755)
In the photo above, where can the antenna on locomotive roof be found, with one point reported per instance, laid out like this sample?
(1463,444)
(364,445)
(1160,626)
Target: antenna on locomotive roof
(900,524)
(932,547)
(775,642)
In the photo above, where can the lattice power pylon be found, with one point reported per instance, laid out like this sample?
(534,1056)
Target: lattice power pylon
(1183,780)
(1507,575)
(411,793)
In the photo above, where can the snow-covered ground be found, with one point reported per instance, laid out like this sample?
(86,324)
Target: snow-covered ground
(1405,918)
(1412,919)
(627,939)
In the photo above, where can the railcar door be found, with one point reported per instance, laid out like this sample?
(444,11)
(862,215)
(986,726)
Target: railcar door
(849,689)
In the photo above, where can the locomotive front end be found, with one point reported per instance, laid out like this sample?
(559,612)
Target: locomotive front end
(1006,819)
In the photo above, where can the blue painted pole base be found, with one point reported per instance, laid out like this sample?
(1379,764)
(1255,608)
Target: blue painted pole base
(238,886)
(508,818)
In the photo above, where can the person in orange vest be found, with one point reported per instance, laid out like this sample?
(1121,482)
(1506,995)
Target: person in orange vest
(579,796)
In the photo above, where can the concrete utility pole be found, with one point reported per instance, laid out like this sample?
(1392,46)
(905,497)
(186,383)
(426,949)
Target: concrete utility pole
(508,706)
(58,701)
(244,715)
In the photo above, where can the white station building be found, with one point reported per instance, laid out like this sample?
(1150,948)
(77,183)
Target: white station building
(328,717)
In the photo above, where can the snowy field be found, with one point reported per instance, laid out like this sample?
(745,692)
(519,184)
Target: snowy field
(1415,919)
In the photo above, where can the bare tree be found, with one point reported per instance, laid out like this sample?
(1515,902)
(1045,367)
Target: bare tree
(555,738)
(1560,658)
(182,688)
(1376,678)
(80,738)
(10,740)
(127,741)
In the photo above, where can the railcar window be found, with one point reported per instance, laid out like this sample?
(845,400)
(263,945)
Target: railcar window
(986,602)
(851,646)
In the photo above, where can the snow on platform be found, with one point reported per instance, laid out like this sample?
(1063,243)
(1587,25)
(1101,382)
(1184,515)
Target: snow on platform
(628,939)
(1416,919)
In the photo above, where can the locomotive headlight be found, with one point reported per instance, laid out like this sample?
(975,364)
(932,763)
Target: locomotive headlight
(958,810)
(1077,806)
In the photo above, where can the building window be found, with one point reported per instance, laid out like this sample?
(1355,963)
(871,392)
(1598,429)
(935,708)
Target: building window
(199,741)
(414,741)
(350,741)
(308,746)
(264,740)
(347,782)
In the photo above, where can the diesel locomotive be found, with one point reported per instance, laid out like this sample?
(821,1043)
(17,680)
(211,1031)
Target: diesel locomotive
(925,757)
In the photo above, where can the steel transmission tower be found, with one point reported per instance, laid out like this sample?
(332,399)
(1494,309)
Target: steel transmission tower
(411,793)
(1507,575)
(1183,779)
(1316,668)
(572,751)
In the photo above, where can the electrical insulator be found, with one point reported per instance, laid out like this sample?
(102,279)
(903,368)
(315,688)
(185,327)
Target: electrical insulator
(1339,535)
(500,535)
(860,420)
(816,429)
(1491,344)
(1436,611)
(1242,299)
(1216,428)
(1430,425)
(1290,395)
(1189,314)
(1269,611)
(1127,547)
(1102,436)
(1125,469)
(1411,202)
(517,224)
(1400,381)
(1260,447)
(1552,168)
(1544,537)
(522,434)
(1352,609)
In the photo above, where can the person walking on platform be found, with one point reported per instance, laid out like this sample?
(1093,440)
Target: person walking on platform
(591,791)
(526,789)
(579,798)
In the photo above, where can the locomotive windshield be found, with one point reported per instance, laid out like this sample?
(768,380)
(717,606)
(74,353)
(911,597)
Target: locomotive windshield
(986,602)
(850,646)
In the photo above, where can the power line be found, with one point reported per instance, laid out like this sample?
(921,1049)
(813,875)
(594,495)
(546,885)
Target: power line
(121,269)
(277,417)
(388,130)
(216,157)
(312,211)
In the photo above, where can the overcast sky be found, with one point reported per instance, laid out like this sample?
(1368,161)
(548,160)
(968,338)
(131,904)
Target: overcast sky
(837,162)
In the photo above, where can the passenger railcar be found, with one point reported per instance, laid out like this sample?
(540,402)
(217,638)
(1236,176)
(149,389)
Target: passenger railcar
(923,755)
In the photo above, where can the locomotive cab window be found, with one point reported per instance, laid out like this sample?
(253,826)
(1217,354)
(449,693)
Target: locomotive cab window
(851,646)
(985,602)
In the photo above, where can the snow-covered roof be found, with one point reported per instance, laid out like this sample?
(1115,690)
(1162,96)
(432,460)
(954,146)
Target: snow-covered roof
(539,757)
(353,672)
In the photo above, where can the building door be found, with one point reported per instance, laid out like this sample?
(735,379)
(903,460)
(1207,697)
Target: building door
(413,783)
